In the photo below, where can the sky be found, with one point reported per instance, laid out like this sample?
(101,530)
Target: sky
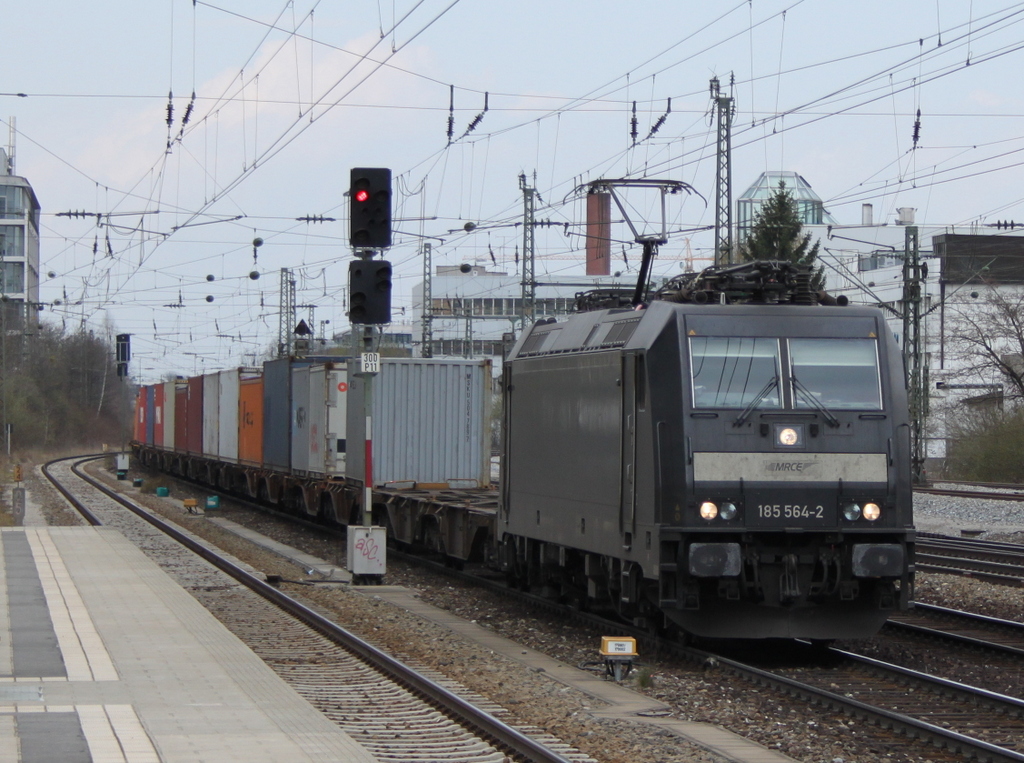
(913,104)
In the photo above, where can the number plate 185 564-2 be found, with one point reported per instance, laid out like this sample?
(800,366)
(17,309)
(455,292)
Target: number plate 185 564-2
(790,514)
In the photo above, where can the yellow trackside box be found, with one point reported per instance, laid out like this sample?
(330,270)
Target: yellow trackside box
(618,646)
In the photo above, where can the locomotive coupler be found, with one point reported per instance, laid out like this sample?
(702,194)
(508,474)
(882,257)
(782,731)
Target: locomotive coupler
(789,581)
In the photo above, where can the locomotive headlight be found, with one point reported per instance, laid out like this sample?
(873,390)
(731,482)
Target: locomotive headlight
(728,511)
(871,511)
(789,435)
(851,511)
(708,510)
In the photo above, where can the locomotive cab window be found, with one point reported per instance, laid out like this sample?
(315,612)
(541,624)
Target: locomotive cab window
(840,374)
(733,372)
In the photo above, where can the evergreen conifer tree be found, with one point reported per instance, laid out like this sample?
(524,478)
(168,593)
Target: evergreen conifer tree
(776,235)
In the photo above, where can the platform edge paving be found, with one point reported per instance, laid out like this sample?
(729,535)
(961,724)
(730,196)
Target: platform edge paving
(196,691)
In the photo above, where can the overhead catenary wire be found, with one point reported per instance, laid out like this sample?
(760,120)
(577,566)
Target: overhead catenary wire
(480,212)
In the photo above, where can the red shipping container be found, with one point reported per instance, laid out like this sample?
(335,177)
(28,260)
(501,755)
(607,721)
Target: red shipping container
(158,420)
(194,421)
(180,417)
(250,421)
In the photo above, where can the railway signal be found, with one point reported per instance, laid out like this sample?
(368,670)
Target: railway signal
(370,208)
(369,284)
(123,354)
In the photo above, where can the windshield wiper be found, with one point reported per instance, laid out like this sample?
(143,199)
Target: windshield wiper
(808,397)
(741,419)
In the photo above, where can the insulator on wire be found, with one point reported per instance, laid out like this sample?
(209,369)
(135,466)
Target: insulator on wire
(451,113)
(661,120)
(188,109)
(477,119)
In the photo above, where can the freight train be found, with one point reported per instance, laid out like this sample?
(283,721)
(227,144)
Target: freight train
(728,460)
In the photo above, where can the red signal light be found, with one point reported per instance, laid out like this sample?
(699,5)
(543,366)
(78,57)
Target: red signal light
(362,195)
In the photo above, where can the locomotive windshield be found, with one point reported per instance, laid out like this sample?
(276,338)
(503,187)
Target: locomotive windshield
(732,372)
(839,373)
(740,372)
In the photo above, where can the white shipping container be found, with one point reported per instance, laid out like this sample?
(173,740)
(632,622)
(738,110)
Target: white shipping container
(211,414)
(227,448)
(431,423)
(169,398)
(328,387)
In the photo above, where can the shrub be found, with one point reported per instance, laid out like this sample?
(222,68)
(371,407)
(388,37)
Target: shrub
(986,446)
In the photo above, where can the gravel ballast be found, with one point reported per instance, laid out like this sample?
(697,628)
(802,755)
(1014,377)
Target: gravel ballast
(698,693)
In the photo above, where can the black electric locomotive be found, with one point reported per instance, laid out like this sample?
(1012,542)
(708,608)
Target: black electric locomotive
(731,460)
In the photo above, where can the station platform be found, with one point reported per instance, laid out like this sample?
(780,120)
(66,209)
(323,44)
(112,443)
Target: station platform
(105,659)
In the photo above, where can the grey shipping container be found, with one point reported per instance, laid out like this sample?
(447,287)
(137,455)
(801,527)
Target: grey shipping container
(277,411)
(300,420)
(431,423)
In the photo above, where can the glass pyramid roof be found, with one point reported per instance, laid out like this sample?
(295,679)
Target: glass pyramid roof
(768,183)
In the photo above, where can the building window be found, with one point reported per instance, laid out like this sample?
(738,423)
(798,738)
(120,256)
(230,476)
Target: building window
(12,277)
(12,240)
(12,202)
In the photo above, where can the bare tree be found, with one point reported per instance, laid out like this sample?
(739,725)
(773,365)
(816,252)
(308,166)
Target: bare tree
(985,335)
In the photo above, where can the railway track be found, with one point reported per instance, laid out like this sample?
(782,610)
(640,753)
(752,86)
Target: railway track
(967,721)
(964,720)
(986,560)
(394,711)
(968,628)
(991,491)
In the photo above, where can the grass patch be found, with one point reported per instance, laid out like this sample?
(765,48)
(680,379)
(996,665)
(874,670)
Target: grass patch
(645,678)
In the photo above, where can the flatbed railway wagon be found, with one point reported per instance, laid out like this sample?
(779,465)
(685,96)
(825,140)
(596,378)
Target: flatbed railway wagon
(291,435)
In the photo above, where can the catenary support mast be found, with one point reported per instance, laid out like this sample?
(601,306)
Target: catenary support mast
(723,105)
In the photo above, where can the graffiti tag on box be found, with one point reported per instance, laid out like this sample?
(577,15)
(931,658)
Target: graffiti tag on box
(368,548)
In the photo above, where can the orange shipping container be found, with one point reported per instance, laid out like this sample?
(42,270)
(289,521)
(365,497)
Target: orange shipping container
(140,415)
(250,421)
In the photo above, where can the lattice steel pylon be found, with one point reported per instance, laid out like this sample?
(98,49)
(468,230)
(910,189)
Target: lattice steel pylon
(427,344)
(913,352)
(529,281)
(724,109)
(286,321)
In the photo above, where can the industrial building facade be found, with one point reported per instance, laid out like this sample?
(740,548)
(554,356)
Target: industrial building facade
(19,248)
(473,308)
